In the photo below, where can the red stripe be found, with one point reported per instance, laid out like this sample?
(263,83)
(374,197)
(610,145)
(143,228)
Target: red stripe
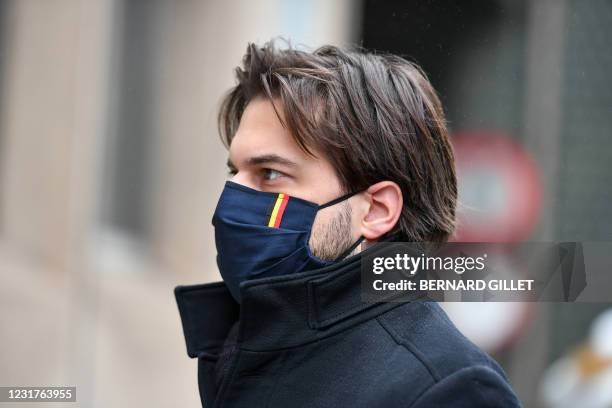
(281,210)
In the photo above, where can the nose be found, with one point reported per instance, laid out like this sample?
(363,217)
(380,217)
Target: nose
(243,179)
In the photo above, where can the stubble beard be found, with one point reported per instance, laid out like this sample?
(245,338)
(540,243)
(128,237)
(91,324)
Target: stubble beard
(333,238)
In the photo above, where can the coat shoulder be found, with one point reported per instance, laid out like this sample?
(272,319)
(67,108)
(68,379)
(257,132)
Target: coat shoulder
(474,386)
(427,333)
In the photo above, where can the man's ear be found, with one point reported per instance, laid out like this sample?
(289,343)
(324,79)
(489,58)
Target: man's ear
(385,207)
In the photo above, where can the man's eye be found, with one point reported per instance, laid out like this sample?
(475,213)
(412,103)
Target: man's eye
(270,174)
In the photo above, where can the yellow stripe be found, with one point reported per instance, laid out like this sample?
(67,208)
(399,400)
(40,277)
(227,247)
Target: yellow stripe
(277,205)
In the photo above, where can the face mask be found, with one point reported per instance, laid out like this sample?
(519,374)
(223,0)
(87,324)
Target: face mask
(260,234)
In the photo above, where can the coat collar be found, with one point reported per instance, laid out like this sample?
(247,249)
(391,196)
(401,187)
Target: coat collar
(277,312)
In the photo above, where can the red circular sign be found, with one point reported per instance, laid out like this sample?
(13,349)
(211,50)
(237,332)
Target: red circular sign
(499,188)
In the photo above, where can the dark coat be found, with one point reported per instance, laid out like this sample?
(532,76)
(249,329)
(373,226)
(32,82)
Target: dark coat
(307,340)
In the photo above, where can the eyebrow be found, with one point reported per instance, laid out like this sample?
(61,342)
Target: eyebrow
(265,159)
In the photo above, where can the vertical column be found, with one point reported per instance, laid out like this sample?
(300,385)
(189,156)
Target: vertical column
(53,120)
(38,128)
(546,30)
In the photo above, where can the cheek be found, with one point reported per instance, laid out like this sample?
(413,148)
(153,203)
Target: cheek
(321,181)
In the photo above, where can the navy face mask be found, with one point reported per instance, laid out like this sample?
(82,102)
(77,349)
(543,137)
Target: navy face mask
(260,234)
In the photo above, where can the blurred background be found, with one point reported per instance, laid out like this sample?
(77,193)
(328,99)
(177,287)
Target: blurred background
(111,166)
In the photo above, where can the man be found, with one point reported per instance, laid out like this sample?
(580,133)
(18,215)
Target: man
(330,152)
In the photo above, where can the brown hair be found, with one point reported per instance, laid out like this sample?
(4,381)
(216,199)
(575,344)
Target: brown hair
(374,116)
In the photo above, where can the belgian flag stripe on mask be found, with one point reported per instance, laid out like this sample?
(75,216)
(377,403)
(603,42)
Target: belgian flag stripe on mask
(278,210)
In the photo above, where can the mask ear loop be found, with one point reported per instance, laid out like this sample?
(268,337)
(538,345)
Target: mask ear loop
(337,200)
(389,237)
(350,249)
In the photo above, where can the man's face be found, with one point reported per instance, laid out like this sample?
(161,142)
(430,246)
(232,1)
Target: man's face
(263,155)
